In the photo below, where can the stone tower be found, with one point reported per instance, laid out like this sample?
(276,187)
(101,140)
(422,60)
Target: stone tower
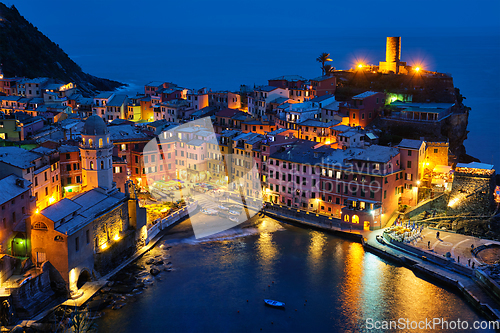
(392,61)
(96,151)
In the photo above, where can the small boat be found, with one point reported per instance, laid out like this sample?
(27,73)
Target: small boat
(234,218)
(222,207)
(275,304)
(232,212)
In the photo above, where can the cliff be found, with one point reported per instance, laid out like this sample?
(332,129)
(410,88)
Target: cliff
(26,52)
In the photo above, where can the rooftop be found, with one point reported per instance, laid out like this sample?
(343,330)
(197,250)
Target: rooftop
(126,132)
(365,94)
(227,112)
(18,157)
(10,189)
(104,94)
(288,78)
(117,100)
(322,98)
(475,165)
(93,204)
(410,144)
(322,78)
(265,88)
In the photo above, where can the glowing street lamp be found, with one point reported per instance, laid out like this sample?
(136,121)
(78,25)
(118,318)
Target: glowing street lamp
(360,66)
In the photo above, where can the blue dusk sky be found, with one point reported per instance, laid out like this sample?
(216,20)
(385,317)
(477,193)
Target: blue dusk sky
(63,19)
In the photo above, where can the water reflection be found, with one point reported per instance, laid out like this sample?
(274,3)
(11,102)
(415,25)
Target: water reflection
(316,249)
(266,248)
(352,287)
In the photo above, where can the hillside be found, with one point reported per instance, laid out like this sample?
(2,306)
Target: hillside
(26,52)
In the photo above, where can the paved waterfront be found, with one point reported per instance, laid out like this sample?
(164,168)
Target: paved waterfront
(458,245)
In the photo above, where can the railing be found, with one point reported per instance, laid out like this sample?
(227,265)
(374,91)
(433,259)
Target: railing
(169,220)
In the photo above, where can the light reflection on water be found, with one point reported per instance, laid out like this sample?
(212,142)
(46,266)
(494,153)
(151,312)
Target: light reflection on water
(333,284)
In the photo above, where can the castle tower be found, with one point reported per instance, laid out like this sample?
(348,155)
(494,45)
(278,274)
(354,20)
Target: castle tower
(392,56)
(393,49)
(96,153)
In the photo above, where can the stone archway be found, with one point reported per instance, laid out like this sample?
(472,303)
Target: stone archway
(83,278)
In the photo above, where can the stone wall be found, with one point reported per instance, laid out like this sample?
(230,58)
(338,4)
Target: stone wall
(7,264)
(112,256)
(471,194)
(438,203)
(111,224)
(33,295)
(453,129)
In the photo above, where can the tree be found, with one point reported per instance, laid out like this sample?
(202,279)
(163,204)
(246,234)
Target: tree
(328,70)
(323,57)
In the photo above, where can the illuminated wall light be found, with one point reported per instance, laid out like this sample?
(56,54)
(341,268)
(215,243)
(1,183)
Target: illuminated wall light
(104,246)
(52,200)
(117,237)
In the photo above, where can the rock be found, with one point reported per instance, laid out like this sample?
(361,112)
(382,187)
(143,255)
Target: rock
(96,305)
(154,271)
(122,289)
(158,262)
(17,329)
(118,305)
(150,261)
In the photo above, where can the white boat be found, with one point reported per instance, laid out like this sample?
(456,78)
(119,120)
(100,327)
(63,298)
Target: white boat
(222,207)
(234,218)
(276,304)
(232,212)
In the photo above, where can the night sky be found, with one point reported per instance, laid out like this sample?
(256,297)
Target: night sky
(63,20)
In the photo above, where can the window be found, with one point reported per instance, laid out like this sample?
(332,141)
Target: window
(409,152)
(40,226)
(372,194)
(46,191)
(68,167)
(67,156)
(77,244)
(59,238)
(68,181)
(435,151)
(100,143)
(408,164)
(87,236)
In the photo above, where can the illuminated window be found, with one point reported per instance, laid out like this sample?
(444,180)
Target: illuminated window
(91,165)
(355,219)
(59,238)
(100,143)
(346,218)
(91,143)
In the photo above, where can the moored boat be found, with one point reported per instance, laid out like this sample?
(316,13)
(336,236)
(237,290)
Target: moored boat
(273,303)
